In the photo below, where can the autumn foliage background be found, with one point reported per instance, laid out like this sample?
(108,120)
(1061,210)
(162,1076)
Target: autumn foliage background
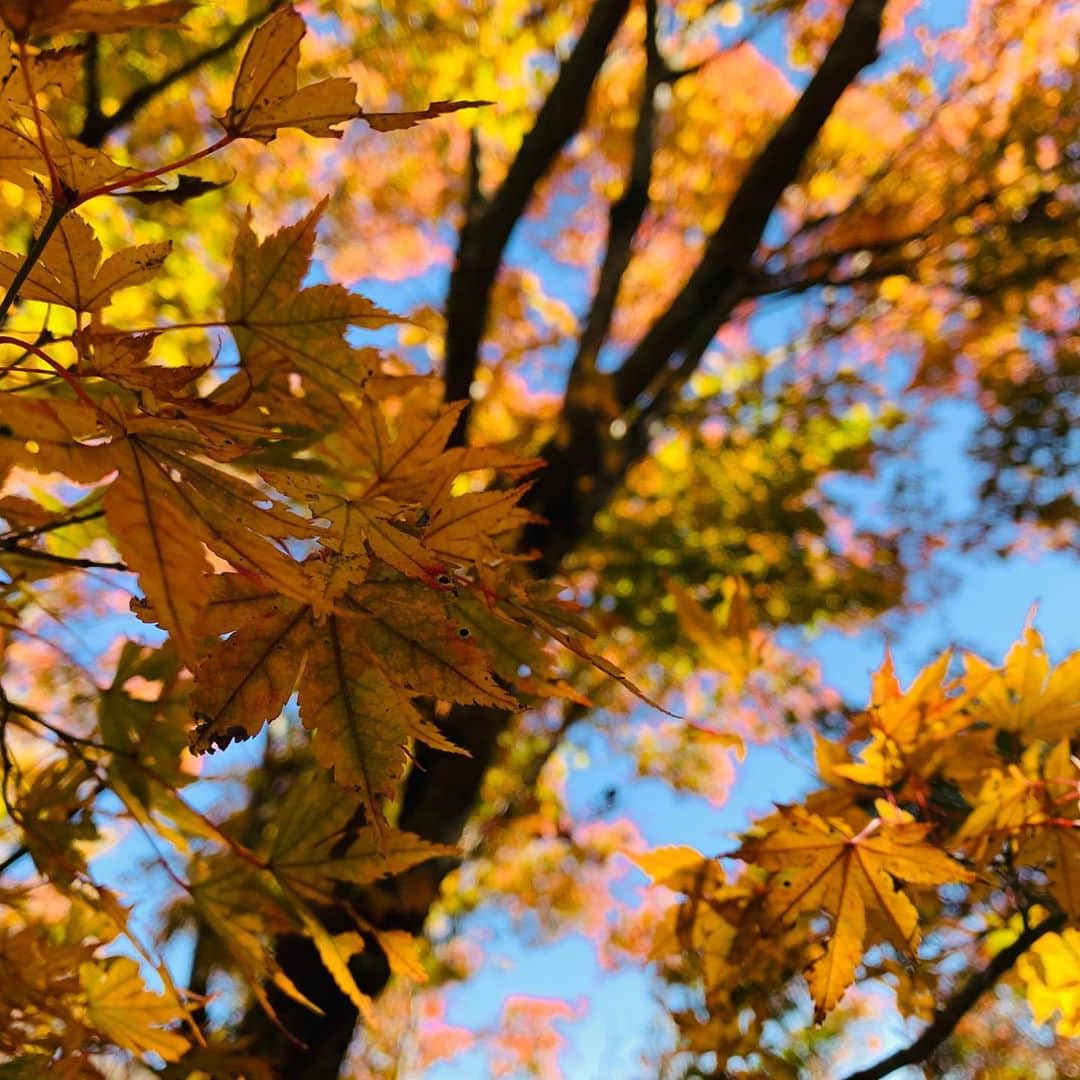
(412,412)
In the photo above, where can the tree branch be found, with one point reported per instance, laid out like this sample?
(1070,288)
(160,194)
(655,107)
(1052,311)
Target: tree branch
(624,217)
(92,82)
(947,1017)
(487,229)
(704,301)
(585,462)
(97,127)
(52,526)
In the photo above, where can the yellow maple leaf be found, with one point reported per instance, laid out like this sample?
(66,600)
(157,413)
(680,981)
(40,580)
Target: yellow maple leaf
(466,527)
(313,842)
(360,719)
(246,680)
(909,729)
(1035,803)
(397,121)
(1051,973)
(230,895)
(119,1005)
(727,638)
(1025,694)
(47,436)
(280,325)
(266,97)
(671,866)
(165,505)
(70,271)
(403,954)
(824,866)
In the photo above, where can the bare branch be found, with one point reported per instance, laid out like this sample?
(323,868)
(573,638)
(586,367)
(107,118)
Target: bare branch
(624,217)
(707,298)
(92,82)
(486,232)
(947,1017)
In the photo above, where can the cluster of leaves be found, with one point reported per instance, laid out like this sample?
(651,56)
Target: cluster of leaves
(295,522)
(946,804)
(736,492)
(303,515)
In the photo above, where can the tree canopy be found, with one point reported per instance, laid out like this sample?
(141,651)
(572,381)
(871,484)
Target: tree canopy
(390,391)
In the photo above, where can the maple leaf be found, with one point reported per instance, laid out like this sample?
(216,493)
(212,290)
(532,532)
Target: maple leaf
(824,865)
(278,325)
(165,505)
(314,842)
(1037,803)
(246,680)
(359,718)
(1051,973)
(355,526)
(70,271)
(517,651)
(406,627)
(466,527)
(33,148)
(265,95)
(561,623)
(359,671)
(1025,695)
(679,867)
(53,70)
(122,358)
(153,533)
(401,464)
(232,900)
(120,1006)
(910,730)
(728,640)
(403,954)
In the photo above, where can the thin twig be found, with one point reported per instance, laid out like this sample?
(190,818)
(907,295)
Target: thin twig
(52,526)
(61,560)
